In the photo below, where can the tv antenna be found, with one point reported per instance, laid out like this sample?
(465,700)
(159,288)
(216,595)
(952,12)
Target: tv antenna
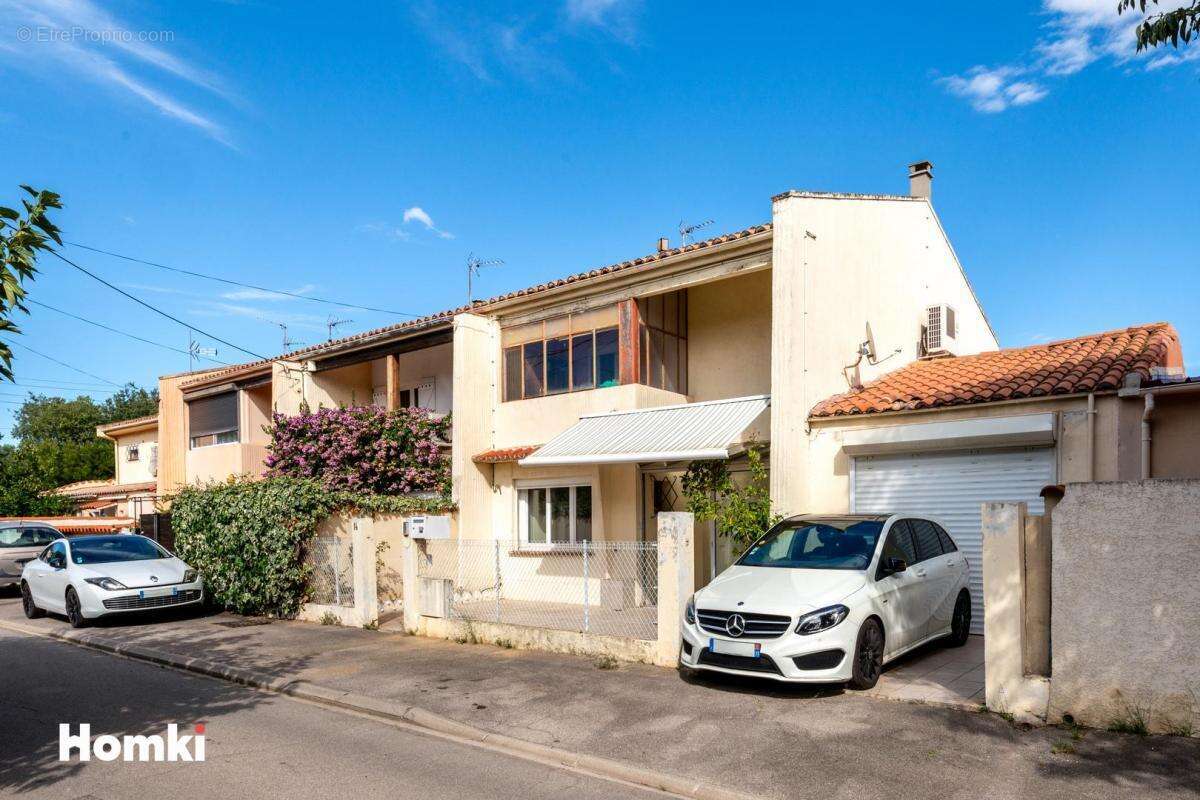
(333,323)
(474,264)
(289,343)
(686,231)
(195,351)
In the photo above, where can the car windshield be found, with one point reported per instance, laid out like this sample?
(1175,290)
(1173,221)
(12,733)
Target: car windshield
(816,544)
(27,537)
(106,549)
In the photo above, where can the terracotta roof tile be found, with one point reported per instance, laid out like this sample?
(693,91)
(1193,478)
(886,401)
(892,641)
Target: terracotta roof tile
(1097,362)
(504,454)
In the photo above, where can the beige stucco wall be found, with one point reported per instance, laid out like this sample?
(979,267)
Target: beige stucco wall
(729,342)
(139,471)
(839,264)
(1174,432)
(829,465)
(1125,603)
(539,419)
(476,393)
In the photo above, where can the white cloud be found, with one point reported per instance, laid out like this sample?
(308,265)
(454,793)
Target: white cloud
(384,229)
(79,37)
(992,90)
(616,17)
(1078,33)
(418,214)
(268,296)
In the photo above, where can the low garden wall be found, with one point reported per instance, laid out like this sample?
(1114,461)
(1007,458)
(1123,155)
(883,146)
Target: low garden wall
(1125,615)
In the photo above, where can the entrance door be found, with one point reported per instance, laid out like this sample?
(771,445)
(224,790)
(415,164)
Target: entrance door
(952,486)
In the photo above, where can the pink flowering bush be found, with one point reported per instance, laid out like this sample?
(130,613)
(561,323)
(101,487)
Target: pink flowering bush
(364,450)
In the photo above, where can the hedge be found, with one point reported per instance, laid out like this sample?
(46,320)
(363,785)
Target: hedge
(249,538)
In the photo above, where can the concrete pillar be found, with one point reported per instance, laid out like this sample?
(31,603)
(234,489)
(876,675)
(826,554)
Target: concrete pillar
(366,577)
(412,611)
(1008,688)
(676,580)
(476,394)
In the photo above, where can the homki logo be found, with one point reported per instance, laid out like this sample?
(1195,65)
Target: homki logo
(172,747)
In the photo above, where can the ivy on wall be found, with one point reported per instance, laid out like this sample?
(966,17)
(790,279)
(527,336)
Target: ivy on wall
(741,510)
(249,538)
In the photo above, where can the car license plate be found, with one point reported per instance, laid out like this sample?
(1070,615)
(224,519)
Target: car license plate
(747,649)
(165,591)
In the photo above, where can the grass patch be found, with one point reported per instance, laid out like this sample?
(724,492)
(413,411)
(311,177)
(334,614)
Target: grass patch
(1063,748)
(606,662)
(330,618)
(373,625)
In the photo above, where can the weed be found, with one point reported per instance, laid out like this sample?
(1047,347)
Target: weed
(1064,748)
(606,662)
(1132,720)
(330,618)
(507,644)
(373,625)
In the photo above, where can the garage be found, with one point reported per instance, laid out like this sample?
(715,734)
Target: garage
(952,486)
(949,469)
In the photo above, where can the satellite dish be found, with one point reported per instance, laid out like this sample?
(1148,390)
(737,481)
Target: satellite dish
(869,345)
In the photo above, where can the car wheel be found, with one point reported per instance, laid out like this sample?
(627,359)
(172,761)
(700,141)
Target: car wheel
(27,604)
(960,623)
(74,610)
(868,656)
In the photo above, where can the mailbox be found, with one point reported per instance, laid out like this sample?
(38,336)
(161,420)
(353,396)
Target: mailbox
(428,527)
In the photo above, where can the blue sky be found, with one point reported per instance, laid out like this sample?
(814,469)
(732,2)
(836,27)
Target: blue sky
(363,154)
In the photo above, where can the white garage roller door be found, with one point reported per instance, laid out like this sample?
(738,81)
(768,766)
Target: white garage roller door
(952,486)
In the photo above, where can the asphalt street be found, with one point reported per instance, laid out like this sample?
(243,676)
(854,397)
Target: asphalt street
(256,745)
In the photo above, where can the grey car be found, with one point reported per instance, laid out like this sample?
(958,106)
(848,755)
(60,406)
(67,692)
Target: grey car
(21,542)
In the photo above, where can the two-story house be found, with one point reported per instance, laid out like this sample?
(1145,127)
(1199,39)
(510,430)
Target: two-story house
(577,403)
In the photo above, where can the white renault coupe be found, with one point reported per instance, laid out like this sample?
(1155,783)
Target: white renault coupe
(84,577)
(825,599)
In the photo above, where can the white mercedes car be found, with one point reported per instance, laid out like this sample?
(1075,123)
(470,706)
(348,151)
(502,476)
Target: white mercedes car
(84,577)
(825,599)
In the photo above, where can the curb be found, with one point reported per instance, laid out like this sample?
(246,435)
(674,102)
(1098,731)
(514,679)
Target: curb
(395,712)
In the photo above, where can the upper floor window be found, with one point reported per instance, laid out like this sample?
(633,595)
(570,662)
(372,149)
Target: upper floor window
(213,420)
(570,353)
(663,333)
(131,453)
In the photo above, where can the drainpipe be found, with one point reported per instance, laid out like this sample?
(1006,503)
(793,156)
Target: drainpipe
(1147,416)
(1091,437)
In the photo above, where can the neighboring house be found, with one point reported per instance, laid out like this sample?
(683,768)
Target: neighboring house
(836,289)
(134,489)
(942,436)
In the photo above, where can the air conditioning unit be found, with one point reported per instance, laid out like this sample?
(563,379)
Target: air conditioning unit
(941,331)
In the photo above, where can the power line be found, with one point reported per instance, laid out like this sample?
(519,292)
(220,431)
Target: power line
(65,364)
(77,389)
(122,333)
(57,381)
(194,274)
(158,311)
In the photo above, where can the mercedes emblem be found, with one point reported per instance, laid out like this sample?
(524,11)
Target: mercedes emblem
(735,626)
(154,578)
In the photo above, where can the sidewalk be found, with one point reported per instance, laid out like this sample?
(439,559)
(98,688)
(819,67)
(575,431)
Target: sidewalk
(752,737)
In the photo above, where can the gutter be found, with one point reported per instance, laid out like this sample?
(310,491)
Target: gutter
(1148,408)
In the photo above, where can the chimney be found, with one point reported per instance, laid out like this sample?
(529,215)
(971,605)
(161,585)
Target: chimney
(920,180)
(663,245)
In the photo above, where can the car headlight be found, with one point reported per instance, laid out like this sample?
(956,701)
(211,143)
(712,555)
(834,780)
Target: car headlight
(108,584)
(689,612)
(821,620)
(190,576)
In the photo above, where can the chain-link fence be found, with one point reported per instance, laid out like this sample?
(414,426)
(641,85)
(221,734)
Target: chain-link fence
(332,579)
(608,588)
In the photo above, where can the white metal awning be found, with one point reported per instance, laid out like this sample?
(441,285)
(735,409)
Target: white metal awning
(690,432)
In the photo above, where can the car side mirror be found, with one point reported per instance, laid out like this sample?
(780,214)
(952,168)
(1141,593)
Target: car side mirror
(894,565)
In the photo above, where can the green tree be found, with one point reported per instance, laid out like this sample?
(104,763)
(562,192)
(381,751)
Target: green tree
(741,510)
(21,237)
(1179,24)
(57,444)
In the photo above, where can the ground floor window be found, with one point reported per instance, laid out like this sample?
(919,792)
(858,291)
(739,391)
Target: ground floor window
(552,515)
